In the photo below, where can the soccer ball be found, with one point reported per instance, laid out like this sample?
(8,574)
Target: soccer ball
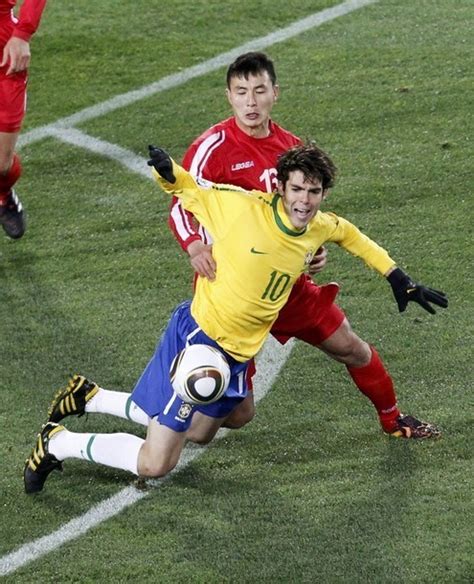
(200,374)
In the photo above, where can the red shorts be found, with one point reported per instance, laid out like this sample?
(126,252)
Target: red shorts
(309,315)
(12,87)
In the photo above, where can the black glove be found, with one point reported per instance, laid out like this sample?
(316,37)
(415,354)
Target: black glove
(405,291)
(162,163)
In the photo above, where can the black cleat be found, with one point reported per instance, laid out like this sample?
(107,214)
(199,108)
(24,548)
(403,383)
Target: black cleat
(12,217)
(410,427)
(72,399)
(40,462)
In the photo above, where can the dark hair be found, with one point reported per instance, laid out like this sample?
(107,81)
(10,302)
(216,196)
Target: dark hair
(313,162)
(251,64)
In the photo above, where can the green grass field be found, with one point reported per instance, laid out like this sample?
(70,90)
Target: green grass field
(311,491)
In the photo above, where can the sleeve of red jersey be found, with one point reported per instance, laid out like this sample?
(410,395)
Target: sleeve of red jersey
(29,18)
(182,222)
(198,156)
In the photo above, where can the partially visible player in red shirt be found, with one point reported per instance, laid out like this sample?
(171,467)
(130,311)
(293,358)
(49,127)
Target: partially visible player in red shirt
(243,151)
(15,35)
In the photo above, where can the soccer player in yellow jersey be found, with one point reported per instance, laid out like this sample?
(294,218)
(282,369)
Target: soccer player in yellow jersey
(262,244)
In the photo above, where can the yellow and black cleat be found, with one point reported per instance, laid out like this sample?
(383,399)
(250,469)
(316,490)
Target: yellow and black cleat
(411,428)
(40,462)
(71,401)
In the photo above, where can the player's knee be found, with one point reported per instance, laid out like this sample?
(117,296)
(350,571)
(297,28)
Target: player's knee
(357,352)
(240,417)
(201,439)
(156,469)
(346,347)
(4,167)
(6,160)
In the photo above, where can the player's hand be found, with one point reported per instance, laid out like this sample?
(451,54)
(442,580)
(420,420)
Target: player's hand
(318,263)
(201,258)
(17,53)
(162,163)
(405,291)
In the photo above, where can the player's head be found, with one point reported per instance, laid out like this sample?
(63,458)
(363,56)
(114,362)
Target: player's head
(252,91)
(253,63)
(304,173)
(311,160)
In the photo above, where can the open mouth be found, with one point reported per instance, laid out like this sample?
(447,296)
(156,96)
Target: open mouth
(302,214)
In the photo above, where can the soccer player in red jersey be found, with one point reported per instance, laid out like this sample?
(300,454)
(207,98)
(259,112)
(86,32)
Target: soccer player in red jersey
(243,151)
(15,35)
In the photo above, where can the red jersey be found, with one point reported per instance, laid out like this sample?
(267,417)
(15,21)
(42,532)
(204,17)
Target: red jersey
(29,16)
(225,154)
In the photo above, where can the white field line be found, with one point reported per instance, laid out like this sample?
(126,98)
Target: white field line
(273,355)
(270,361)
(171,81)
(126,157)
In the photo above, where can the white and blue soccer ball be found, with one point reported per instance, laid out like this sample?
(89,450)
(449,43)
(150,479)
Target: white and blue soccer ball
(200,374)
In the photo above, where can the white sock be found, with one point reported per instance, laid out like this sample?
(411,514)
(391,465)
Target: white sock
(117,403)
(117,450)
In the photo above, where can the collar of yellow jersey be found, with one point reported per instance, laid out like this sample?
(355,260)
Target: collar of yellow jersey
(282,220)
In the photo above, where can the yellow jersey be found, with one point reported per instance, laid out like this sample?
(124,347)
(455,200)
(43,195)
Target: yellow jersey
(259,256)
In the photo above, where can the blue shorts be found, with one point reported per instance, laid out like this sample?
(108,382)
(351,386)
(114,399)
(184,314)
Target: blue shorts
(154,393)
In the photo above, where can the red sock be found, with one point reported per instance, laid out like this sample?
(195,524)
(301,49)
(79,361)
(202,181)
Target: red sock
(9,179)
(374,382)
